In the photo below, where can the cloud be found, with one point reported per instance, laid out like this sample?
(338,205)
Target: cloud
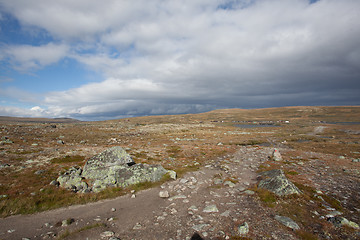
(176,57)
(28,57)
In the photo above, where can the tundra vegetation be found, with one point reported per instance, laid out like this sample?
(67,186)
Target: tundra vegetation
(34,152)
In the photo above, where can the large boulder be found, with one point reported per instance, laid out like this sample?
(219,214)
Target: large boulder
(111,168)
(276,182)
(73,180)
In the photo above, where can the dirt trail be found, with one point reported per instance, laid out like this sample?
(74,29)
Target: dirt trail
(212,201)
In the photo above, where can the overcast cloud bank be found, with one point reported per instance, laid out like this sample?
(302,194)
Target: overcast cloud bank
(169,57)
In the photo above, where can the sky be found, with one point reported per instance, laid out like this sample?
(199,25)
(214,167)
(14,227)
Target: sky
(97,60)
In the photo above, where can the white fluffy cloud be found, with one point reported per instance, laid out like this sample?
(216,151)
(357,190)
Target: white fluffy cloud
(187,56)
(27,57)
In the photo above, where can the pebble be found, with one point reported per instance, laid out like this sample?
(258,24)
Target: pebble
(226,213)
(229,183)
(164,194)
(243,229)
(198,227)
(107,234)
(211,209)
(113,209)
(249,192)
(177,197)
(137,226)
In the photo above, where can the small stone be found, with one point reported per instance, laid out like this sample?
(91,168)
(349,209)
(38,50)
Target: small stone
(249,192)
(54,183)
(113,209)
(164,194)
(177,197)
(356,160)
(107,234)
(137,226)
(211,209)
(341,221)
(243,229)
(39,172)
(11,230)
(288,222)
(133,196)
(199,227)
(183,181)
(229,183)
(114,238)
(226,213)
(276,156)
(193,208)
(218,181)
(172,174)
(67,222)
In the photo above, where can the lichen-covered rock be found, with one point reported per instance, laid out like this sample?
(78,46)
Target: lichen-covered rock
(276,182)
(287,222)
(341,221)
(114,156)
(111,168)
(73,180)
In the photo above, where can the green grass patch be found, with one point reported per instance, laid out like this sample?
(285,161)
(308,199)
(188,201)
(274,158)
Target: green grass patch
(267,197)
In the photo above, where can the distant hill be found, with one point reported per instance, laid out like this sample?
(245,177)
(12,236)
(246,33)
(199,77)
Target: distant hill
(38,120)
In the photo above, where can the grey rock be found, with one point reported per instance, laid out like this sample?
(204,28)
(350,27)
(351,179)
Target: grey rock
(5,165)
(276,182)
(243,229)
(226,213)
(276,156)
(72,180)
(341,221)
(137,226)
(211,209)
(172,174)
(356,160)
(107,234)
(54,183)
(249,192)
(229,183)
(111,168)
(177,197)
(67,222)
(114,238)
(164,194)
(288,222)
(39,172)
(218,181)
(199,227)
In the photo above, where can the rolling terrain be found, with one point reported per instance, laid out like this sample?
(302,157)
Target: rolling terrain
(320,155)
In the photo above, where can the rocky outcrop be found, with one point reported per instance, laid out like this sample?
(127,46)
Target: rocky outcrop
(111,168)
(276,182)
